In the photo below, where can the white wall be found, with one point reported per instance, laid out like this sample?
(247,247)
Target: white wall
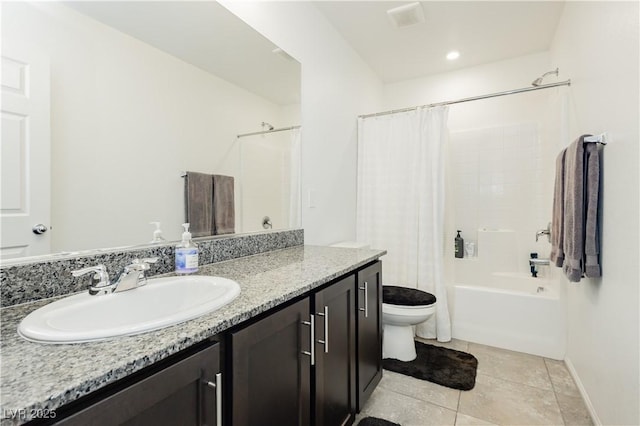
(126,119)
(336,86)
(479,80)
(597,45)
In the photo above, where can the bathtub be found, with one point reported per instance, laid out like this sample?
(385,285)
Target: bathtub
(512,311)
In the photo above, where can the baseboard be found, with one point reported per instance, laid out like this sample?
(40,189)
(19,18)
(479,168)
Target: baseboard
(592,412)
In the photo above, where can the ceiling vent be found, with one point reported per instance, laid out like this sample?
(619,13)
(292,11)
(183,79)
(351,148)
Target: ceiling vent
(406,15)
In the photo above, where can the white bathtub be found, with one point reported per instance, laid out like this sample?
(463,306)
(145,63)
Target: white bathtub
(514,311)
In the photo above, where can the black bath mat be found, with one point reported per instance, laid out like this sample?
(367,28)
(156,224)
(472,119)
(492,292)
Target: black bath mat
(374,421)
(446,367)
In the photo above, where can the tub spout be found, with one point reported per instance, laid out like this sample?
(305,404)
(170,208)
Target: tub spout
(538,262)
(534,262)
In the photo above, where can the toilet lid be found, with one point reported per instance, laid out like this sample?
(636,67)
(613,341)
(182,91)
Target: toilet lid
(395,295)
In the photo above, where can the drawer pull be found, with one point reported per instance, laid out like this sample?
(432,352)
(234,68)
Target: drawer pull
(325,342)
(217,385)
(366,299)
(312,349)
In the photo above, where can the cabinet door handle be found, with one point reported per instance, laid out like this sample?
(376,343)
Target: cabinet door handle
(312,350)
(217,385)
(325,342)
(366,299)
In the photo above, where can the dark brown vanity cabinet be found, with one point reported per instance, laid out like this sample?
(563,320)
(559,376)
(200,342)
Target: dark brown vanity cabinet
(300,364)
(187,392)
(335,358)
(369,323)
(297,365)
(270,374)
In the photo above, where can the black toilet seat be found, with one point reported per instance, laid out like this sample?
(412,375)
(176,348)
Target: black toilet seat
(395,295)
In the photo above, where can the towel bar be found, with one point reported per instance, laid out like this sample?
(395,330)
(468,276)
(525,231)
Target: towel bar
(601,138)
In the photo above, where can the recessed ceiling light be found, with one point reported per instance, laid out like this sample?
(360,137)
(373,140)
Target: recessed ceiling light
(406,15)
(454,54)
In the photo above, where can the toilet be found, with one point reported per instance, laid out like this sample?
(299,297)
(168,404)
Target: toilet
(402,308)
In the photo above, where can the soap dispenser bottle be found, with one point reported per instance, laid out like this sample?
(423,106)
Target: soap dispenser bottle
(459,245)
(186,253)
(157,234)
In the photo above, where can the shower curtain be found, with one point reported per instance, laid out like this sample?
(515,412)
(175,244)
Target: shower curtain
(400,205)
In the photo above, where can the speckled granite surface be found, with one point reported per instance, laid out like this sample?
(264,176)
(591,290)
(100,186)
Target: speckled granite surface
(31,281)
(44,377)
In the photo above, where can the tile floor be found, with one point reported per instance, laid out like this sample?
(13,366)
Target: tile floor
(512,388)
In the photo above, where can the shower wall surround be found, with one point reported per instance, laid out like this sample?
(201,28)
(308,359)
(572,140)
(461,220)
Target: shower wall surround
(502,178)
(30,281)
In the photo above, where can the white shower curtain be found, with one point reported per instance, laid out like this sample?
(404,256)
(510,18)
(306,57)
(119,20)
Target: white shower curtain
(400,204)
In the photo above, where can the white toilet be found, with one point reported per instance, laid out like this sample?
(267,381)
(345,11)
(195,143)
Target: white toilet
(402,308)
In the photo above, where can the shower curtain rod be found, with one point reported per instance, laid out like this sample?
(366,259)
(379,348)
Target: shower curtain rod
(282,129)
(474,98)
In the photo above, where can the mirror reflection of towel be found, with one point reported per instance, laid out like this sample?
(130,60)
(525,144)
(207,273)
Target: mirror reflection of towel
(223,205)
(198,201)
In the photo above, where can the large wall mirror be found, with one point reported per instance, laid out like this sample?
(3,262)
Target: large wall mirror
(129,96)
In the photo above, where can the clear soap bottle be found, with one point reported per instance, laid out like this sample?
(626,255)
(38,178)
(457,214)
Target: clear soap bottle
(157,234)
(186,253)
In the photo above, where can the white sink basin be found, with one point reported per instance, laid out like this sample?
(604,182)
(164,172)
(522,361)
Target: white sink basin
(160,303)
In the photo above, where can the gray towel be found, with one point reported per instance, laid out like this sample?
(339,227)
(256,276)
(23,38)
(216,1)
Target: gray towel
(592,186)
(573,238)
(223,205)
(198,197)
(581,186)
(557,217)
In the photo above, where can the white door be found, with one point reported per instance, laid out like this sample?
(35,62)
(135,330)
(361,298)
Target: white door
(25,155)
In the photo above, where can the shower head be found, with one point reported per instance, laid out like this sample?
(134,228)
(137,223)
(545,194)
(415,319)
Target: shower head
(267,125)
(538,81)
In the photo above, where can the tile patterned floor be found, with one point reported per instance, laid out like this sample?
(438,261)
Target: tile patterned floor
(512,388)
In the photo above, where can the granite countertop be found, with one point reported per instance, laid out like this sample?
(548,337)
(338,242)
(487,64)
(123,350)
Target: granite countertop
(39,378)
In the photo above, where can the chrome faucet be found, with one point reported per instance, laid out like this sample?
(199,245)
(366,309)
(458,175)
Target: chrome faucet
(132,277)
(100,280)
(133,274)
(546,232)
(534,262)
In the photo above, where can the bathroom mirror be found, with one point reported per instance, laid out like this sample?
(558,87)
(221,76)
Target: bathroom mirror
(138,93)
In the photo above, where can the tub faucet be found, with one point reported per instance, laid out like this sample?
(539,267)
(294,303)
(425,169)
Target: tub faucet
(546,232)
